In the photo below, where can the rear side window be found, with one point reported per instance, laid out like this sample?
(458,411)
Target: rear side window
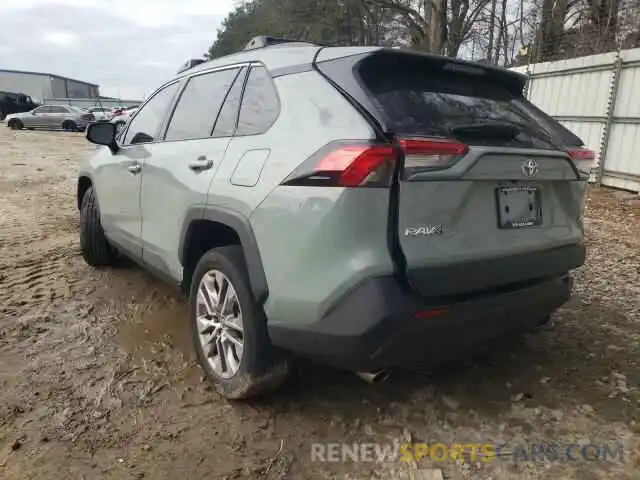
(260,104)
(199,105)
(430,102)
(228,117)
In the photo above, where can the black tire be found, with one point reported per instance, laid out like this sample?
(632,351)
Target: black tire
(15,124)
(94,245)
(544,321)
(262,368)
(70,126)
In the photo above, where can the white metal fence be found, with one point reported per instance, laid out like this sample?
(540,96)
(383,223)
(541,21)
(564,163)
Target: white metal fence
(598,98)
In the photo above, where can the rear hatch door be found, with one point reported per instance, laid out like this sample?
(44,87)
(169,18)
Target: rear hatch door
(486,194)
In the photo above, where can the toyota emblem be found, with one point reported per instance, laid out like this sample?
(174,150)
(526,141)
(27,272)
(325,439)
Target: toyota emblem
(530,168)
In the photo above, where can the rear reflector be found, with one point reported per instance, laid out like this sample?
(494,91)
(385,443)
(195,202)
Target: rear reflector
(429,313)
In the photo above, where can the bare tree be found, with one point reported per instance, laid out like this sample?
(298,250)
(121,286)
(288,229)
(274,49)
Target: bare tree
(497,31)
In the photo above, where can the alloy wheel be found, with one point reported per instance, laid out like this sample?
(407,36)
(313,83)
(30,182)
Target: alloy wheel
(219,323)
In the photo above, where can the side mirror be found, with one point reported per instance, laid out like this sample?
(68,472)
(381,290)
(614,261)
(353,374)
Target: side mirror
(34,113)
(103,133)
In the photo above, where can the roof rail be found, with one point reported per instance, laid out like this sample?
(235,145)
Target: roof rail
(266,41)
(190,64)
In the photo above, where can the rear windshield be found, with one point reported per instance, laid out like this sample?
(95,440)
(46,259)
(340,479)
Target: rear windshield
(431,102)
(566,136)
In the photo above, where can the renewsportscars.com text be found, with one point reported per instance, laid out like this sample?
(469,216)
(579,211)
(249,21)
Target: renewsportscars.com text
(483,452)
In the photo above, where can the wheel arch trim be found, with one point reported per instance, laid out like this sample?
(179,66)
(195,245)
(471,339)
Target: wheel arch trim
(242,226)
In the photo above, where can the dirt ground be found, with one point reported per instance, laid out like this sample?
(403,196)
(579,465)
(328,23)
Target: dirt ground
(98,380)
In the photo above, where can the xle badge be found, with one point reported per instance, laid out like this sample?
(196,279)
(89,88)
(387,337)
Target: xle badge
(423,230)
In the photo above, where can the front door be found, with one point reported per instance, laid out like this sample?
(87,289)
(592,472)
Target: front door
(122,173)
(37,118)
(177,175)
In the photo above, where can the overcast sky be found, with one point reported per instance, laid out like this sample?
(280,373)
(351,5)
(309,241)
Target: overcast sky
(128,47)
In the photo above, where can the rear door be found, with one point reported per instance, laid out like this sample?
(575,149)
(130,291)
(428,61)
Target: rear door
(57,117)
(485,194)
(24,104)
(179,169)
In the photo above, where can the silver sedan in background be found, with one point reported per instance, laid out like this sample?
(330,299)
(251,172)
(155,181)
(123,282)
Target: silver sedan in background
(51,117)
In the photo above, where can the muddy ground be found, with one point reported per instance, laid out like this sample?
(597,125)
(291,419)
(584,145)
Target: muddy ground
(98,381)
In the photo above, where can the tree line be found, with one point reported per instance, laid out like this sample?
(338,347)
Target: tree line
(501,32)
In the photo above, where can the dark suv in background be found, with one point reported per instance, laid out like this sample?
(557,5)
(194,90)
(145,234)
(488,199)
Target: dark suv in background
(11,102)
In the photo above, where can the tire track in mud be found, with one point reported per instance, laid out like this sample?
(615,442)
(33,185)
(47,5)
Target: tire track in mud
(45,216)
(39,277)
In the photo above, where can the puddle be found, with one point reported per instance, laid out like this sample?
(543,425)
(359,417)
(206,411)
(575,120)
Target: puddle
(165,327)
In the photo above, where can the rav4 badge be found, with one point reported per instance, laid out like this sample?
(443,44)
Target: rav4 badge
(421,230)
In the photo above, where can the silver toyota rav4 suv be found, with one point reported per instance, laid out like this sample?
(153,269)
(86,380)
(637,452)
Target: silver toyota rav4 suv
(365,207)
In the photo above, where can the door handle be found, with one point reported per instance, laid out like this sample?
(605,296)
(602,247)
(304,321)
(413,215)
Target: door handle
(201,164)
(135,168)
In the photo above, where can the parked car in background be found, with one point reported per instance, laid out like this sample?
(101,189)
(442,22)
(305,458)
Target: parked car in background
(11,102)
(102,113)
(123,117)
(123,110)
(52,117)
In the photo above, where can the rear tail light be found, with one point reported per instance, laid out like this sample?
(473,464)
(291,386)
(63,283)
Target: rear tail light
(343,164)
(371,165)
(355,165)
(424,155)
(583,159)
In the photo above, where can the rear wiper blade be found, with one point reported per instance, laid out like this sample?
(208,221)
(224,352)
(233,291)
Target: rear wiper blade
(505,131)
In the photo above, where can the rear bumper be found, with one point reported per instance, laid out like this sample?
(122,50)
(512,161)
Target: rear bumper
(450,280)
(375,326)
